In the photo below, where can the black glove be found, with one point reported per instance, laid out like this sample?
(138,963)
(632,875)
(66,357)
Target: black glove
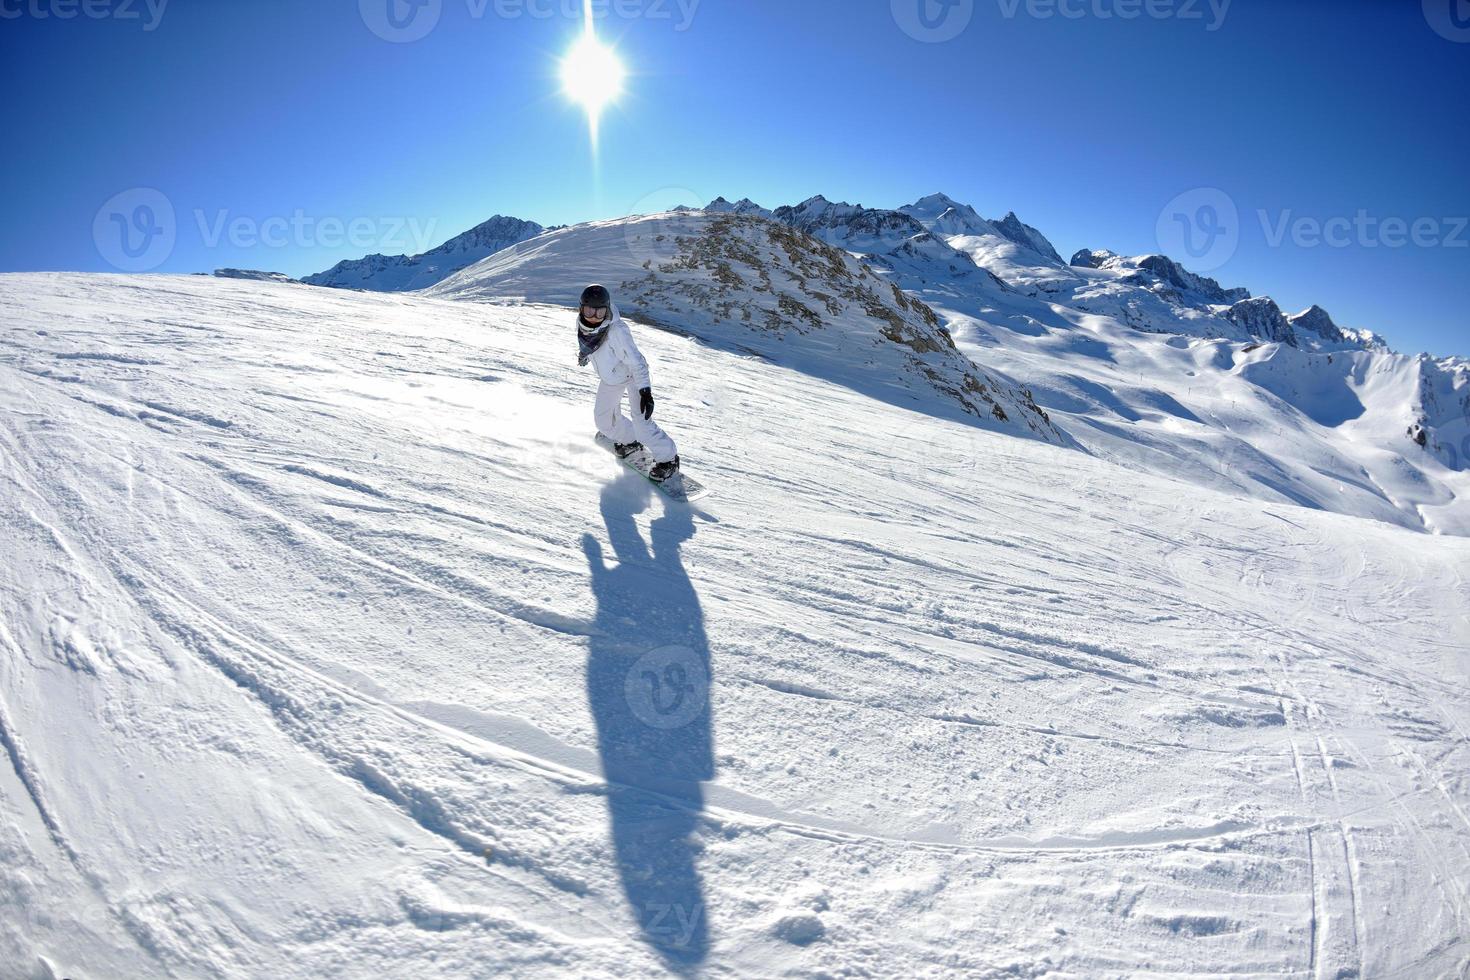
(645,402)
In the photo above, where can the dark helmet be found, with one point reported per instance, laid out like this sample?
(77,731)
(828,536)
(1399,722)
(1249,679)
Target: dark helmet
(596,296)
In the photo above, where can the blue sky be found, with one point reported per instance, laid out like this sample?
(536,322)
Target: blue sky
(299,121)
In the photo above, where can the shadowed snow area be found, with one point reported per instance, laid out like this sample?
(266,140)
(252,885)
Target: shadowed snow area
(331,645)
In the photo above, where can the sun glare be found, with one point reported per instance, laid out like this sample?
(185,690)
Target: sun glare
(592,75)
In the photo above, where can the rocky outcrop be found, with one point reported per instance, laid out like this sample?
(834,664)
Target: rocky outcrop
(1092,258)
(1177,276)
(253,274)
(840,223)
(1263,319)
(767,287)
(1155,271)
(1442,409)
(1024,235)
(1318,322)
(743,206)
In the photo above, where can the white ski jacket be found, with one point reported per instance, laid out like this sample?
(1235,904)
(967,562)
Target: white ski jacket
(618,360)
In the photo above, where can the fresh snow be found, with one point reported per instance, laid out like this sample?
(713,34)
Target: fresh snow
(1151,366)
(754,286)
(404,273)
(1136,360)
(326,637)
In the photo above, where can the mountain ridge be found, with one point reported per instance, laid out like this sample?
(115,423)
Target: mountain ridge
(1054,336)
(746,282)
(403,273)
(1208,401)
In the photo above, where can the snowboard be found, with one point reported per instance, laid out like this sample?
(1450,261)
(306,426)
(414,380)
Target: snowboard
(681,486)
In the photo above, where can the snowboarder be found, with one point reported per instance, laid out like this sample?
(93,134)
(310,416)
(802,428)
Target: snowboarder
(605,341)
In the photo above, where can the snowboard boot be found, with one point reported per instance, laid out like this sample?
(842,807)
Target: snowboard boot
(626,449)
(662,471)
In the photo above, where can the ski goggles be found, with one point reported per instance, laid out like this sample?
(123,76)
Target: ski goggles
(595,313)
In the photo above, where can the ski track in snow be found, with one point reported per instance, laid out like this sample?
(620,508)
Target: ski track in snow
(309,598)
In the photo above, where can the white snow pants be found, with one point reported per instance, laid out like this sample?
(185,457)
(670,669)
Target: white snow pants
(612,423)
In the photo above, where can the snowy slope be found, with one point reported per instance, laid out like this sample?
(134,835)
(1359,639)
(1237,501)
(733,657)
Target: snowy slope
(752,285)
(1149,365)
(402,273)
(302,674)
(1135,359)
(1070,334)
(1321,429)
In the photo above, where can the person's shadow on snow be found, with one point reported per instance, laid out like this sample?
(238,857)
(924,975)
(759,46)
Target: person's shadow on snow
(648,682)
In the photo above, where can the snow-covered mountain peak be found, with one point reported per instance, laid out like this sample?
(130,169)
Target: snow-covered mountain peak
(851,226)
(1318,321)
(943,215)
(817,212)
(401,273)
(1092,258)
(493,232)
(743,206)
(937,203)
(933,205)
(1178,283)
(891,240)
(1023,234)
(1262,318)
(748,283)
(999,289)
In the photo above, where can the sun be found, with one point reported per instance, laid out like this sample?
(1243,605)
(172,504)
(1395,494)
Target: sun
(592,75)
